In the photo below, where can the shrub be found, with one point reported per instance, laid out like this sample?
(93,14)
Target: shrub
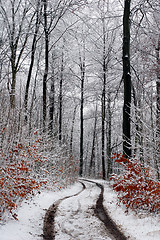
(137,187)
(25,171)
(18,179)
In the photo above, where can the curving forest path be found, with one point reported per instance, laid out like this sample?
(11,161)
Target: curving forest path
(69,219)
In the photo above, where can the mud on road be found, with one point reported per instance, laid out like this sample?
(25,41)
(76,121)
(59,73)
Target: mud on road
(112,229)
(49,219)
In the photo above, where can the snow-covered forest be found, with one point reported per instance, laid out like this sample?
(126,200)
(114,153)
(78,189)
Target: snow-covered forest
(80,96)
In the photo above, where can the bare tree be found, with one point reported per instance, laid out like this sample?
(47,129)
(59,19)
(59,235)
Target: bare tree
(127,81)
(158,107)
(18,30)
(33,51)
(82,65)
(61,96)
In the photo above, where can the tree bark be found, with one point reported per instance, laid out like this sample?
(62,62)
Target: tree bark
(33,50)
(157,161)
(72,130)
(109,132)
(13,46)
(46,65)
(103,133)
(61,98)
(82,67)
(52,107)
(15,36)
(127,81)
(92,161)
(104,101)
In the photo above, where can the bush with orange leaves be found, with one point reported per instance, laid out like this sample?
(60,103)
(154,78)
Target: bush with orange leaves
(26,169)
(137,187)
(17,178)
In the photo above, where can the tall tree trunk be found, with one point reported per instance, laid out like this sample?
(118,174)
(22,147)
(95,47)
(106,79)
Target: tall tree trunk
(15,32)
(157,161)
(82,67)
(32,104)
(72,130)
(46,65)
(13,46)
(109,131)
(92,161)
(127,81)
(104,101)
(138,124)
(13,88)
(33,50)
(61,98)
(103,133)
(52,107)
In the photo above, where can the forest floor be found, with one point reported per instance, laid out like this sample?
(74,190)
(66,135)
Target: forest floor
(76,215)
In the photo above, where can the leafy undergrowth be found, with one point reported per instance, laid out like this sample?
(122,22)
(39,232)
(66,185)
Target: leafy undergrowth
(18,179)
(25,171)
(137,186)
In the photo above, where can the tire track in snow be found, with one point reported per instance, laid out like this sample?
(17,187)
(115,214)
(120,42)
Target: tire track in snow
(113,230)
(76,220)
(48,226)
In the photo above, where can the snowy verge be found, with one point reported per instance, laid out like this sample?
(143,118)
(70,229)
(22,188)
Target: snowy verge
(31,215)
(138,227)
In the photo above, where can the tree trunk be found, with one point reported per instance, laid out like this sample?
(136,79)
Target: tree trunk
(72,130)
(32,104)
(103,133)
(92,161)
(61,99)
(52,107)
(13,46)
(157,162)
(82,67)
(15,32)
(138,123)
(127,81)
(33,50)
(109,131)
(104,101)
(46,65)
(13,88)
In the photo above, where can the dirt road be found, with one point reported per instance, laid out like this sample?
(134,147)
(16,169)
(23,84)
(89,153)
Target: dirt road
(65,217)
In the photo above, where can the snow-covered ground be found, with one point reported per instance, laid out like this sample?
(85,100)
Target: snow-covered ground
(142,227)
(75,218)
